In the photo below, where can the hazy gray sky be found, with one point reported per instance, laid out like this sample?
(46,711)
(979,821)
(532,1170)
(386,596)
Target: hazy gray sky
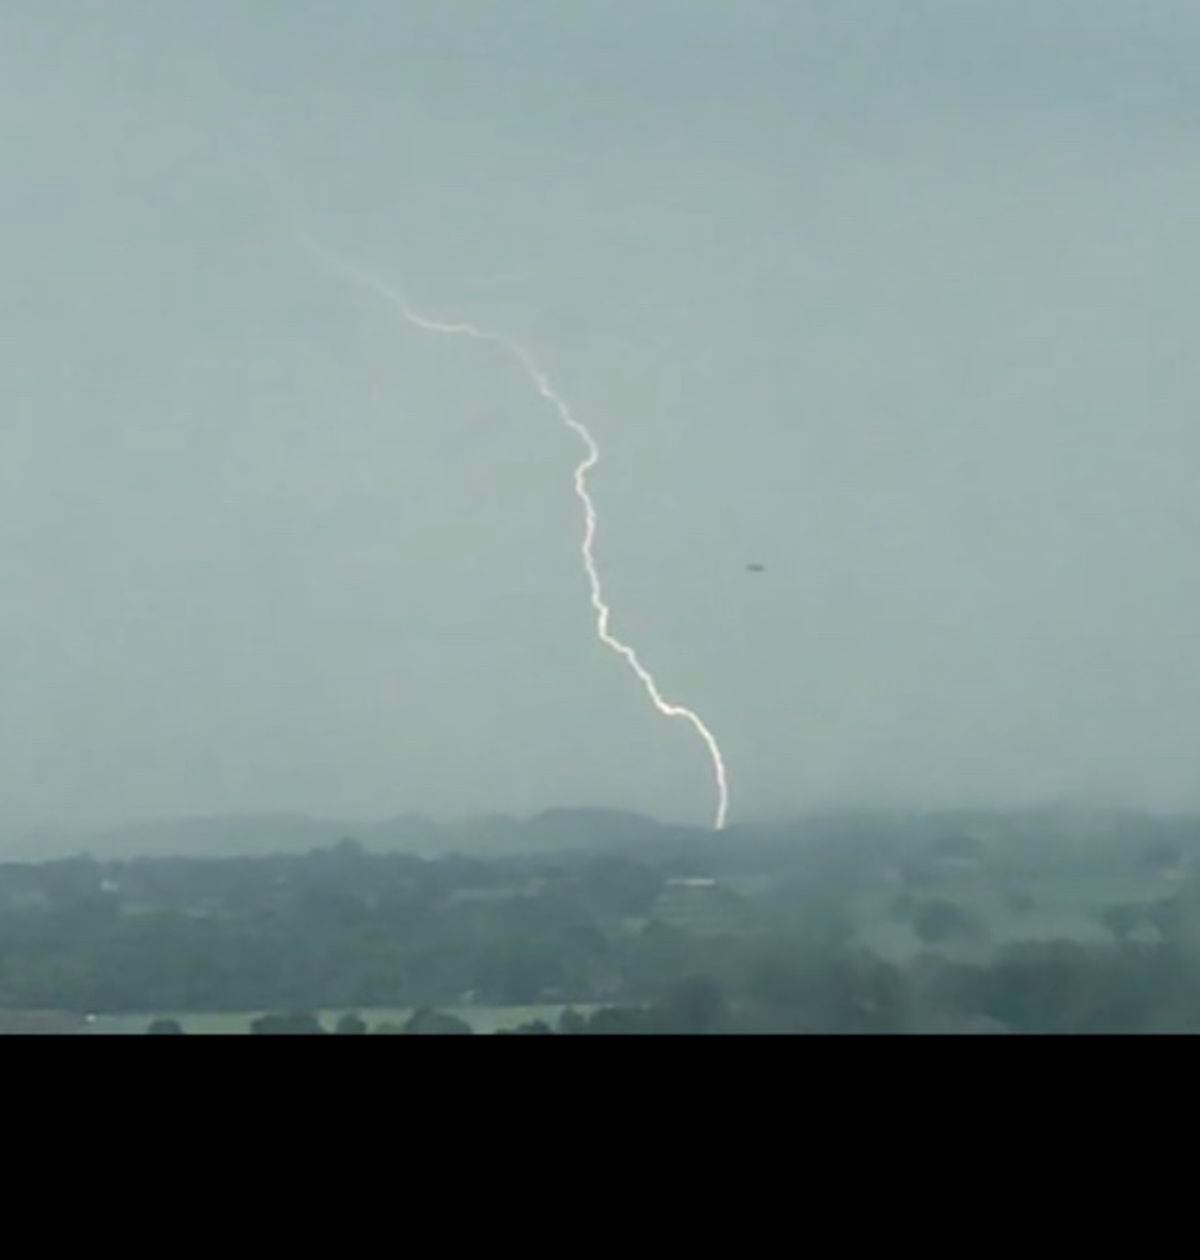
(894,298)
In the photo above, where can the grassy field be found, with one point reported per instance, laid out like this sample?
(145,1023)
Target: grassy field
(482,1019)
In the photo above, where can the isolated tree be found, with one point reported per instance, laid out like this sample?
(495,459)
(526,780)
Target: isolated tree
(294,1023)
(535,1028)
(571,1023)
(165,1027)
(621,1021)
(428,1022)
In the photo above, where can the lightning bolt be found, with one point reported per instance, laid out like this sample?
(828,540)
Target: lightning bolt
(541,383)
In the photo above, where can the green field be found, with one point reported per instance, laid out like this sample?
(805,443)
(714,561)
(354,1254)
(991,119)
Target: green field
(482,1019)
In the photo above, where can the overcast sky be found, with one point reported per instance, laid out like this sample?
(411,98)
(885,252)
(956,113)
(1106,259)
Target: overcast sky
(896,299)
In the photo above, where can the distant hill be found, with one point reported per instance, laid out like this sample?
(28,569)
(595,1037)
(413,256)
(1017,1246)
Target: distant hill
(1061,835)
(590,828)
(223,836)
(257,835)
(248,835)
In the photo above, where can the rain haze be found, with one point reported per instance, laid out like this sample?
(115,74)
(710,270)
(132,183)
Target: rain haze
(888,299)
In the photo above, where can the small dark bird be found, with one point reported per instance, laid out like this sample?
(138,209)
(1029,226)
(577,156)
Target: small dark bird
(756,568)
